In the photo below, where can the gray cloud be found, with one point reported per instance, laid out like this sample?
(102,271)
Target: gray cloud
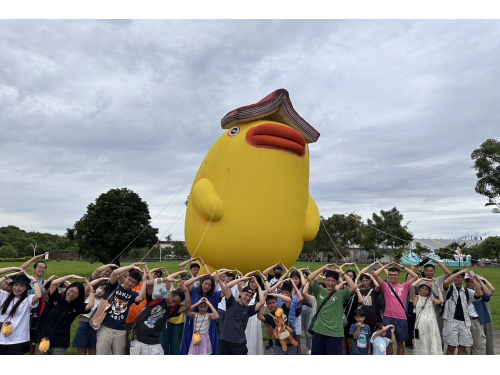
(86,106)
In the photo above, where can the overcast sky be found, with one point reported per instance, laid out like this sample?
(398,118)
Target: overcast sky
(87,106)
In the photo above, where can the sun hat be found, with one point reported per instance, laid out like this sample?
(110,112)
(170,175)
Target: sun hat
(21,279)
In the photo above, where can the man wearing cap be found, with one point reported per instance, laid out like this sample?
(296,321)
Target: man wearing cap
(233,340)
(479,316)
(457,322)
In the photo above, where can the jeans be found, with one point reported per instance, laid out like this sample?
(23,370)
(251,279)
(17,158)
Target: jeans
(305,317)
(220,325)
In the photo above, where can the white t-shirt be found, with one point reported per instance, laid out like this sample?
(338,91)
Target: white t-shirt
(222,303)
(20,321)
(97,302)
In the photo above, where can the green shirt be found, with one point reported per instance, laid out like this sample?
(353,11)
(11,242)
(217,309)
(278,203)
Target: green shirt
(329,320)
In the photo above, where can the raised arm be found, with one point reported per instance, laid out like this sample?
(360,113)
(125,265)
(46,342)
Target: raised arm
(183,264)
(376,274)
(38,257)
(447,272)
(55,283)
(114,275)
(260,315)
(38,291)
(267,270)
(214,315)
(97,273)
(262,301)
(367,268)
(91,296)
(449,279)
(187,299)
(479,292)
(413,275)
(92,284)
(413,296)
(11,269)
(316,273)
(490,287)
(440,300)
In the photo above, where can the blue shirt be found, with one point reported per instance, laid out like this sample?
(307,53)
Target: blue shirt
(379,345)
(32,290)
(360,345)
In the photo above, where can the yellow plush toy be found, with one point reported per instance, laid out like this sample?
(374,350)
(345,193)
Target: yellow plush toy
(249,205)
(7,329)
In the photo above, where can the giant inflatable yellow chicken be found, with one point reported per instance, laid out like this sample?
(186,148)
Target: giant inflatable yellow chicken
(249,205)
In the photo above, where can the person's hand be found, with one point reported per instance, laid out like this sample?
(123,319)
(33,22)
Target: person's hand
(201,261)
(183,287)
(41,256)
(392,329)
(359,324)
(32,278)
(138,264)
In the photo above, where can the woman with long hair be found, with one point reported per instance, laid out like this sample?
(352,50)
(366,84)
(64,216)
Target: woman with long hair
(64,308)
(205,288)
(253,332)
(15,308)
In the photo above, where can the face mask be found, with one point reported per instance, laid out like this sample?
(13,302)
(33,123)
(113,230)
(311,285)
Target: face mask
(99,292)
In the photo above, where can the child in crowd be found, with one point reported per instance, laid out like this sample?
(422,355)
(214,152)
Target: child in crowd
(201,322)
(379,341)
(360,333)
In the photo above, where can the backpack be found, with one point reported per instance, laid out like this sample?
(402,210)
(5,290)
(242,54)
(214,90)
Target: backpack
(448,296)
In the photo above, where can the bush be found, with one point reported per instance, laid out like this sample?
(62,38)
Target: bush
(71,258)
(78,259)
(58,260)
(20,260)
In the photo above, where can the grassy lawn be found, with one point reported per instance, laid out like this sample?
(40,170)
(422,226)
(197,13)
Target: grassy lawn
(85,269)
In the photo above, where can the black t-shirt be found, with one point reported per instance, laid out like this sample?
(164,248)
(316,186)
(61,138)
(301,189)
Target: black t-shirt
(61,315)
(152,320)
(236,321)
(459,311)
(370,302)
(270,321)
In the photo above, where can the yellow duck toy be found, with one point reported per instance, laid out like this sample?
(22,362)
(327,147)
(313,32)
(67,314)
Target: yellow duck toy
(249,205)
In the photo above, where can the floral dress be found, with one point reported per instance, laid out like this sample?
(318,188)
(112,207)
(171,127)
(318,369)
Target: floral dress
(429,342)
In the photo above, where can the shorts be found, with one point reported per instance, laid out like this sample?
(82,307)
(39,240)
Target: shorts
(400,328)
(15,349)
(456,333)
(85,336)
(139,348)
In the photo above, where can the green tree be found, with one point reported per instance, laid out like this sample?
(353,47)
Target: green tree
(373,255)
(179,249)
(116,219)
(490,248)
(8,251)
(391,231)
(419,249)
(487,166)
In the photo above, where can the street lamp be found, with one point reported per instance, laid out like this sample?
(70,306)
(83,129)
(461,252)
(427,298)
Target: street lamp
(34,249)
(493,202)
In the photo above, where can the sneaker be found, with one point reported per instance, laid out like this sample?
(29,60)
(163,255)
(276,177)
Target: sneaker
(269,345)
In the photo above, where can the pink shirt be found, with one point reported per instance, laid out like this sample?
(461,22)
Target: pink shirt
(393,308)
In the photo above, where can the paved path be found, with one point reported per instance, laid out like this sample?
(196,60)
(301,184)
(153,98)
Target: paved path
(496,345)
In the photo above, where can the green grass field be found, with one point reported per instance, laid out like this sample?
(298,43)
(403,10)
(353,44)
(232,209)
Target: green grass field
(85,269)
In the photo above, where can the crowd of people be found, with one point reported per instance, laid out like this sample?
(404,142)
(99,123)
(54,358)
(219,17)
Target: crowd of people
(339,310)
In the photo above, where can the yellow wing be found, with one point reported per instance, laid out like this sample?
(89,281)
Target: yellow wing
(205,199)
(312,221)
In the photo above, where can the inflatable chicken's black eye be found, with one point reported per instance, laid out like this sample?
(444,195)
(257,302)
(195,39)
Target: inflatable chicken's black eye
(234,130)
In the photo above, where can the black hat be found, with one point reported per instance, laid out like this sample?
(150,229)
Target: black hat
(21,279)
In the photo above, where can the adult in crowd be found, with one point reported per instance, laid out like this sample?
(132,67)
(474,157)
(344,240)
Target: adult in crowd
(308,303)
(15,309)
(152,319)
(63,309)
(479,316)
(457,322)
(205,288)
(370,295)
(9,273)
(253,331)
(111,335)
(85,339)
(395,308)
(233,341)
(427,336)
(488,327)
(328,328)
(224,278)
